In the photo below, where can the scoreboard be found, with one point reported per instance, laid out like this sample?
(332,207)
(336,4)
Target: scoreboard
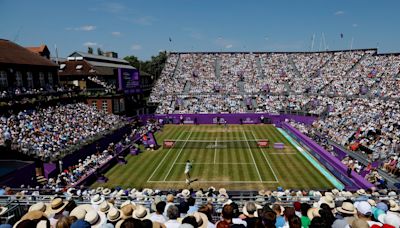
(129,81)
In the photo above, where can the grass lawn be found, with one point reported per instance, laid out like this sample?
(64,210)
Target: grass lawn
(235,165)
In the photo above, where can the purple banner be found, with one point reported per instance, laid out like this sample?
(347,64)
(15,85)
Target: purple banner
(237,118)
(340,154)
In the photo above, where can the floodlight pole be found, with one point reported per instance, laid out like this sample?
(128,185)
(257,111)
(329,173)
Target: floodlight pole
(351,44)
(312,42)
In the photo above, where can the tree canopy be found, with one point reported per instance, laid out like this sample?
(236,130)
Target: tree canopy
(153,66)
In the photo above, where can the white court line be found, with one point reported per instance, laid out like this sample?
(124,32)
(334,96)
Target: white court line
(165,155)
(215,151)
(283,153)
(223,163)
(266,159)
(219,137)
(251,153)
(179,153)
(225,181)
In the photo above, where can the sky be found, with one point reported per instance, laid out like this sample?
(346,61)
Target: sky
(145,27)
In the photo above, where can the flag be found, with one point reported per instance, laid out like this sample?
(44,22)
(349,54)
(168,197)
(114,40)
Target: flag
(170,40)
(341,35)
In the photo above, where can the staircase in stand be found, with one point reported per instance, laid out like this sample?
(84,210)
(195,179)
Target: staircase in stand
(217,67)
(186,88)
(259,68)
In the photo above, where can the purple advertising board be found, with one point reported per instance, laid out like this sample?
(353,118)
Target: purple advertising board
(236,118)
(129,81)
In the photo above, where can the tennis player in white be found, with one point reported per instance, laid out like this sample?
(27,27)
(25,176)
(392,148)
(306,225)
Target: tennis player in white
(188,167)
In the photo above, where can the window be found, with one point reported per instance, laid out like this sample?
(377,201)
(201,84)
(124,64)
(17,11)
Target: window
(3,79)
(79,67)
(104,105)
(29,78)
(42,83)
(94,104)
(122,105)
(18,79)
(62,66)
(50,78)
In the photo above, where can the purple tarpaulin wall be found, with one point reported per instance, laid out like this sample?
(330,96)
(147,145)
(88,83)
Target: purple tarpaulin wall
(340,153)
(329,161)
(237,118)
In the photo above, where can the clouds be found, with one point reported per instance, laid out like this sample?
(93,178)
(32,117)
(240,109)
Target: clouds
(90,44)
(193,33)
(225,43)
(136,47)
(354,25)
(85,28)
(109,7)
(339,12)
(116,34)
(144,20)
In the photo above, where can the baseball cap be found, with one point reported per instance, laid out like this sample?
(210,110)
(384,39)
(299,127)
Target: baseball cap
(363,207)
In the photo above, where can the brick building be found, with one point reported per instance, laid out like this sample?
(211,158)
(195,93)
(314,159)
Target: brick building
(23,71)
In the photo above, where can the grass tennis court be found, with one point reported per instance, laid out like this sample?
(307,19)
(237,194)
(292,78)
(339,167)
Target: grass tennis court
(221,157)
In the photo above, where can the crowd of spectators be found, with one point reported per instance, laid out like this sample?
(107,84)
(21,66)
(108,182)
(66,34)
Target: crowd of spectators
(187,208)
(71,175)
(50,132)
(370,173)
(103,83)
(169,82)
(12,92)
(193,77)
(309,67)
(364,123)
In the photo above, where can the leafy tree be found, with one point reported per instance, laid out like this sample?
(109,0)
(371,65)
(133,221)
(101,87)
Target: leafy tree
(133,61)
(153,66)
(90,50)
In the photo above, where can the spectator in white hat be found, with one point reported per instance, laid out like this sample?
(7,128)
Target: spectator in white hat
(364,212)
(346,214)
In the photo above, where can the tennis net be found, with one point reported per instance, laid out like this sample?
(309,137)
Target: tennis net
(215,144)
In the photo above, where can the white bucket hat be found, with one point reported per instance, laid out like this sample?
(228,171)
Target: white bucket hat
(114,215)
(141,213)
(97,199)
(96,219)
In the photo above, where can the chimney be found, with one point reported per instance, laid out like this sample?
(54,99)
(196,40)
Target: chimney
(111,54)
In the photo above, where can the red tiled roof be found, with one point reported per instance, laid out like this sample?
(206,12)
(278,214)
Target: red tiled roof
(37,50)
(12,53)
